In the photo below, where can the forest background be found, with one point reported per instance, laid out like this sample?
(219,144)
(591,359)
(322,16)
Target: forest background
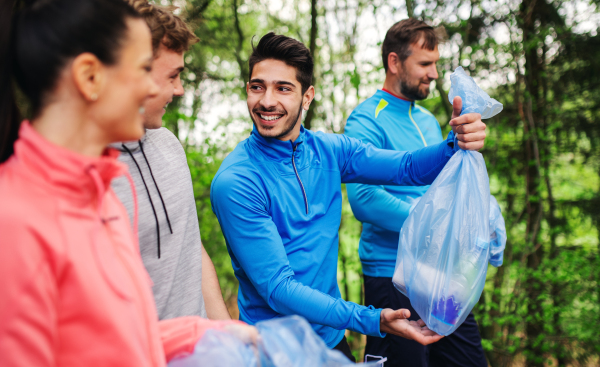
(540,58)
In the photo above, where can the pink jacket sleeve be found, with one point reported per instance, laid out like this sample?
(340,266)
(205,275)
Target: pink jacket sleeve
(28,297)
(180,335)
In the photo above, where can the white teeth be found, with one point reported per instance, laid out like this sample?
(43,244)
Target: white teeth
(270,118)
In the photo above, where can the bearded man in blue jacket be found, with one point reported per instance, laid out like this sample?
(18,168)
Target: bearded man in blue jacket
(390,119)
(278,200)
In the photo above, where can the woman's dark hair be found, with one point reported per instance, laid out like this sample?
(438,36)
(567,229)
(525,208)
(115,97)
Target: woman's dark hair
(288,50)
(38,39)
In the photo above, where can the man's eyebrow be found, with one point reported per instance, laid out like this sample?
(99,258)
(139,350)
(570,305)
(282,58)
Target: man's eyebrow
(178,70)
(278,82)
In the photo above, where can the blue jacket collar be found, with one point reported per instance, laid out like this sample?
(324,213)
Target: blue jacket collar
(275,148)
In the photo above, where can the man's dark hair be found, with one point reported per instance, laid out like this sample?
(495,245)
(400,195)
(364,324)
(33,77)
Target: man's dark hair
(405,33)
(288,50)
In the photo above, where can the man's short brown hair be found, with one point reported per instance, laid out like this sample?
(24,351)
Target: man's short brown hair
(405,33)
(166,27)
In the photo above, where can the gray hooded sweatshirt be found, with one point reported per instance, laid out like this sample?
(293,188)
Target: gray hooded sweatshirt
(167,223)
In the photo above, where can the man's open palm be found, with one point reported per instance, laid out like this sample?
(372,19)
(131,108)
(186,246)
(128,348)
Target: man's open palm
(396,322)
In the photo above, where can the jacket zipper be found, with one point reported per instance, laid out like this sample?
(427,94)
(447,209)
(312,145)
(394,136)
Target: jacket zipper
(104,226)
(417,126)
(298,176)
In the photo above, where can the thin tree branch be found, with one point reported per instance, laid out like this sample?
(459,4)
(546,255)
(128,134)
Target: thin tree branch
(410,9)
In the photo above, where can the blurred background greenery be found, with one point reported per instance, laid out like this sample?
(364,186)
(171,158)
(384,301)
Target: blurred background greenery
(540,58)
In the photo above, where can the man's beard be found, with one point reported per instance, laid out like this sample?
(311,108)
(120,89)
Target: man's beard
(412,91)
(286,129)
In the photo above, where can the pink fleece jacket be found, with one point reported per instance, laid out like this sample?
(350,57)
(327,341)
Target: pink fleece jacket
(74,290)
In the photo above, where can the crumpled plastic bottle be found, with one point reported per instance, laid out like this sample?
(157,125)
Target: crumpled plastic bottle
(474,99)
(497,233)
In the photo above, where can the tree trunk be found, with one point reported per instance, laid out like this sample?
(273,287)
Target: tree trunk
(243,64)
(410,9)
(312,46)
(534,322)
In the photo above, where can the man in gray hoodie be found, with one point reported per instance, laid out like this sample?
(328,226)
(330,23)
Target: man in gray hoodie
(185,281)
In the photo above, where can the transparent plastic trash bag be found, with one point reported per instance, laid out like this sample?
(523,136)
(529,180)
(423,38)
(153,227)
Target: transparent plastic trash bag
(444,244)
(474,98)
(291,341)
(450,234)
(284,342)
(218,348)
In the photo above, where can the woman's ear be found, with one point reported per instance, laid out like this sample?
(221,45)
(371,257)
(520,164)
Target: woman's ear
(88,75)
(309,95)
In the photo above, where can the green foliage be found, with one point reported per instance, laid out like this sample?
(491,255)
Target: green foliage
(203,167)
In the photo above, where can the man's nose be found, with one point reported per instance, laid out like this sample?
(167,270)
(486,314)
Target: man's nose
(153,88)
(178,87)
(268,99)
(432,73)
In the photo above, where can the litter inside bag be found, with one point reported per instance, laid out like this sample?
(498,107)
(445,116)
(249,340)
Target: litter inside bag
(497,231)
(474,99)
(451,233)
(497,234)
(284,342)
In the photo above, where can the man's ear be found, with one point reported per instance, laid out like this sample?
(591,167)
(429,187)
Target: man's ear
(309,95)
(394,64)
(88,75)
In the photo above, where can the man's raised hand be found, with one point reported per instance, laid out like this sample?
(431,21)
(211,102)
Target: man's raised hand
(468,128)
(396,322)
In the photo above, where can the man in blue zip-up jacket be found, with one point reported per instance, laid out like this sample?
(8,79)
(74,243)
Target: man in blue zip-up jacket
(277,197)
(390,119)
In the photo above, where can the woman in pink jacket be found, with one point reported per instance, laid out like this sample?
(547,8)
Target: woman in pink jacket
(74,290)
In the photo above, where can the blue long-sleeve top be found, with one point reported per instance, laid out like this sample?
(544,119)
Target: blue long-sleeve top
(387,122)
(279,204)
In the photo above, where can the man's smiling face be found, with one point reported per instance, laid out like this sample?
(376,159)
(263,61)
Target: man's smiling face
(418,71)
(166,69)
(275,99)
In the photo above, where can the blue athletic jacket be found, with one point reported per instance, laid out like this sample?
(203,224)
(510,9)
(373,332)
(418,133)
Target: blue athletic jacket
(279,205)
(387,122)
